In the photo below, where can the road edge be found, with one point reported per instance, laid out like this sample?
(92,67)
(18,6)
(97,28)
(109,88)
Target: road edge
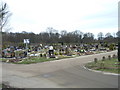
(103,72)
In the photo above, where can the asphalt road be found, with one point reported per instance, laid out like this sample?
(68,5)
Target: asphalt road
(65,73)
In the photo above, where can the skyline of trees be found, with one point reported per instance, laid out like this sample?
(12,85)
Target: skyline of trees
(53,36)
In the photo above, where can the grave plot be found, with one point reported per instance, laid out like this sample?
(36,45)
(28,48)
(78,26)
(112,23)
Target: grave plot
(41,53)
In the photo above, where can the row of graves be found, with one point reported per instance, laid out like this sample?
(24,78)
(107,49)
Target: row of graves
(12,52)
(52,51)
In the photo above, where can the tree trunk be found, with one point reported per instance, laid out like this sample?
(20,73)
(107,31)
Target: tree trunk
(119,49)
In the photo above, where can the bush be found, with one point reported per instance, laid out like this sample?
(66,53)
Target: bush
(55,53)
(45,55)
(103,58)
(111,47)
(114,56)
(60,53)
(109,57)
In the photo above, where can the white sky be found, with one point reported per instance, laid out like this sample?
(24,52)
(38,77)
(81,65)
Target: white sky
(85,15)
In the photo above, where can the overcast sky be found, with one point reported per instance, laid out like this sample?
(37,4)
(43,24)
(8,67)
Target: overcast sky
(85,15)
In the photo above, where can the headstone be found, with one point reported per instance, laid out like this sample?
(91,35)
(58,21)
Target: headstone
(41,55)
(25,54)
(51,52)
(68,51)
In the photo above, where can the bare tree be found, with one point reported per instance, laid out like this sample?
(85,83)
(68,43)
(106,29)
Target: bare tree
(88,37)
(4,15)
(100,36)
(108,35)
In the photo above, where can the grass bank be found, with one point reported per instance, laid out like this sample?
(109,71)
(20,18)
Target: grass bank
(107,65)
(31,60)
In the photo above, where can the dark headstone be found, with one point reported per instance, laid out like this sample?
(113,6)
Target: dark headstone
(51,52)
(40,55)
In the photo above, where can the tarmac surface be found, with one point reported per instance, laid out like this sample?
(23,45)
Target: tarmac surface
(64,73)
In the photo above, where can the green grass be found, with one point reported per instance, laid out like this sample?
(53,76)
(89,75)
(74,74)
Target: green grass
(3,59)
(110,70)
(0,85)
(35,59)
(40,59)
(107,65)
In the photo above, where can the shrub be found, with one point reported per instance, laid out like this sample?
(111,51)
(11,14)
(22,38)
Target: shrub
(60,53)
(114,56)
(45,55)
(111,47)
(55,53)
(103,58)
(109,57)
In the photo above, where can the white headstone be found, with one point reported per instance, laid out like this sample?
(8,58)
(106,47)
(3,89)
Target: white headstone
(51,48)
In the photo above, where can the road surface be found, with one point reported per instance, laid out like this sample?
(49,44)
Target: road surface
(65,73)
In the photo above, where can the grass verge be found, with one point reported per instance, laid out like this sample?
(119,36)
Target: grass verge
(111,66)
(32,60)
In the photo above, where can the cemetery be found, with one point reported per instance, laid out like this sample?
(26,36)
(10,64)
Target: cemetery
(40,53)
(25,41)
